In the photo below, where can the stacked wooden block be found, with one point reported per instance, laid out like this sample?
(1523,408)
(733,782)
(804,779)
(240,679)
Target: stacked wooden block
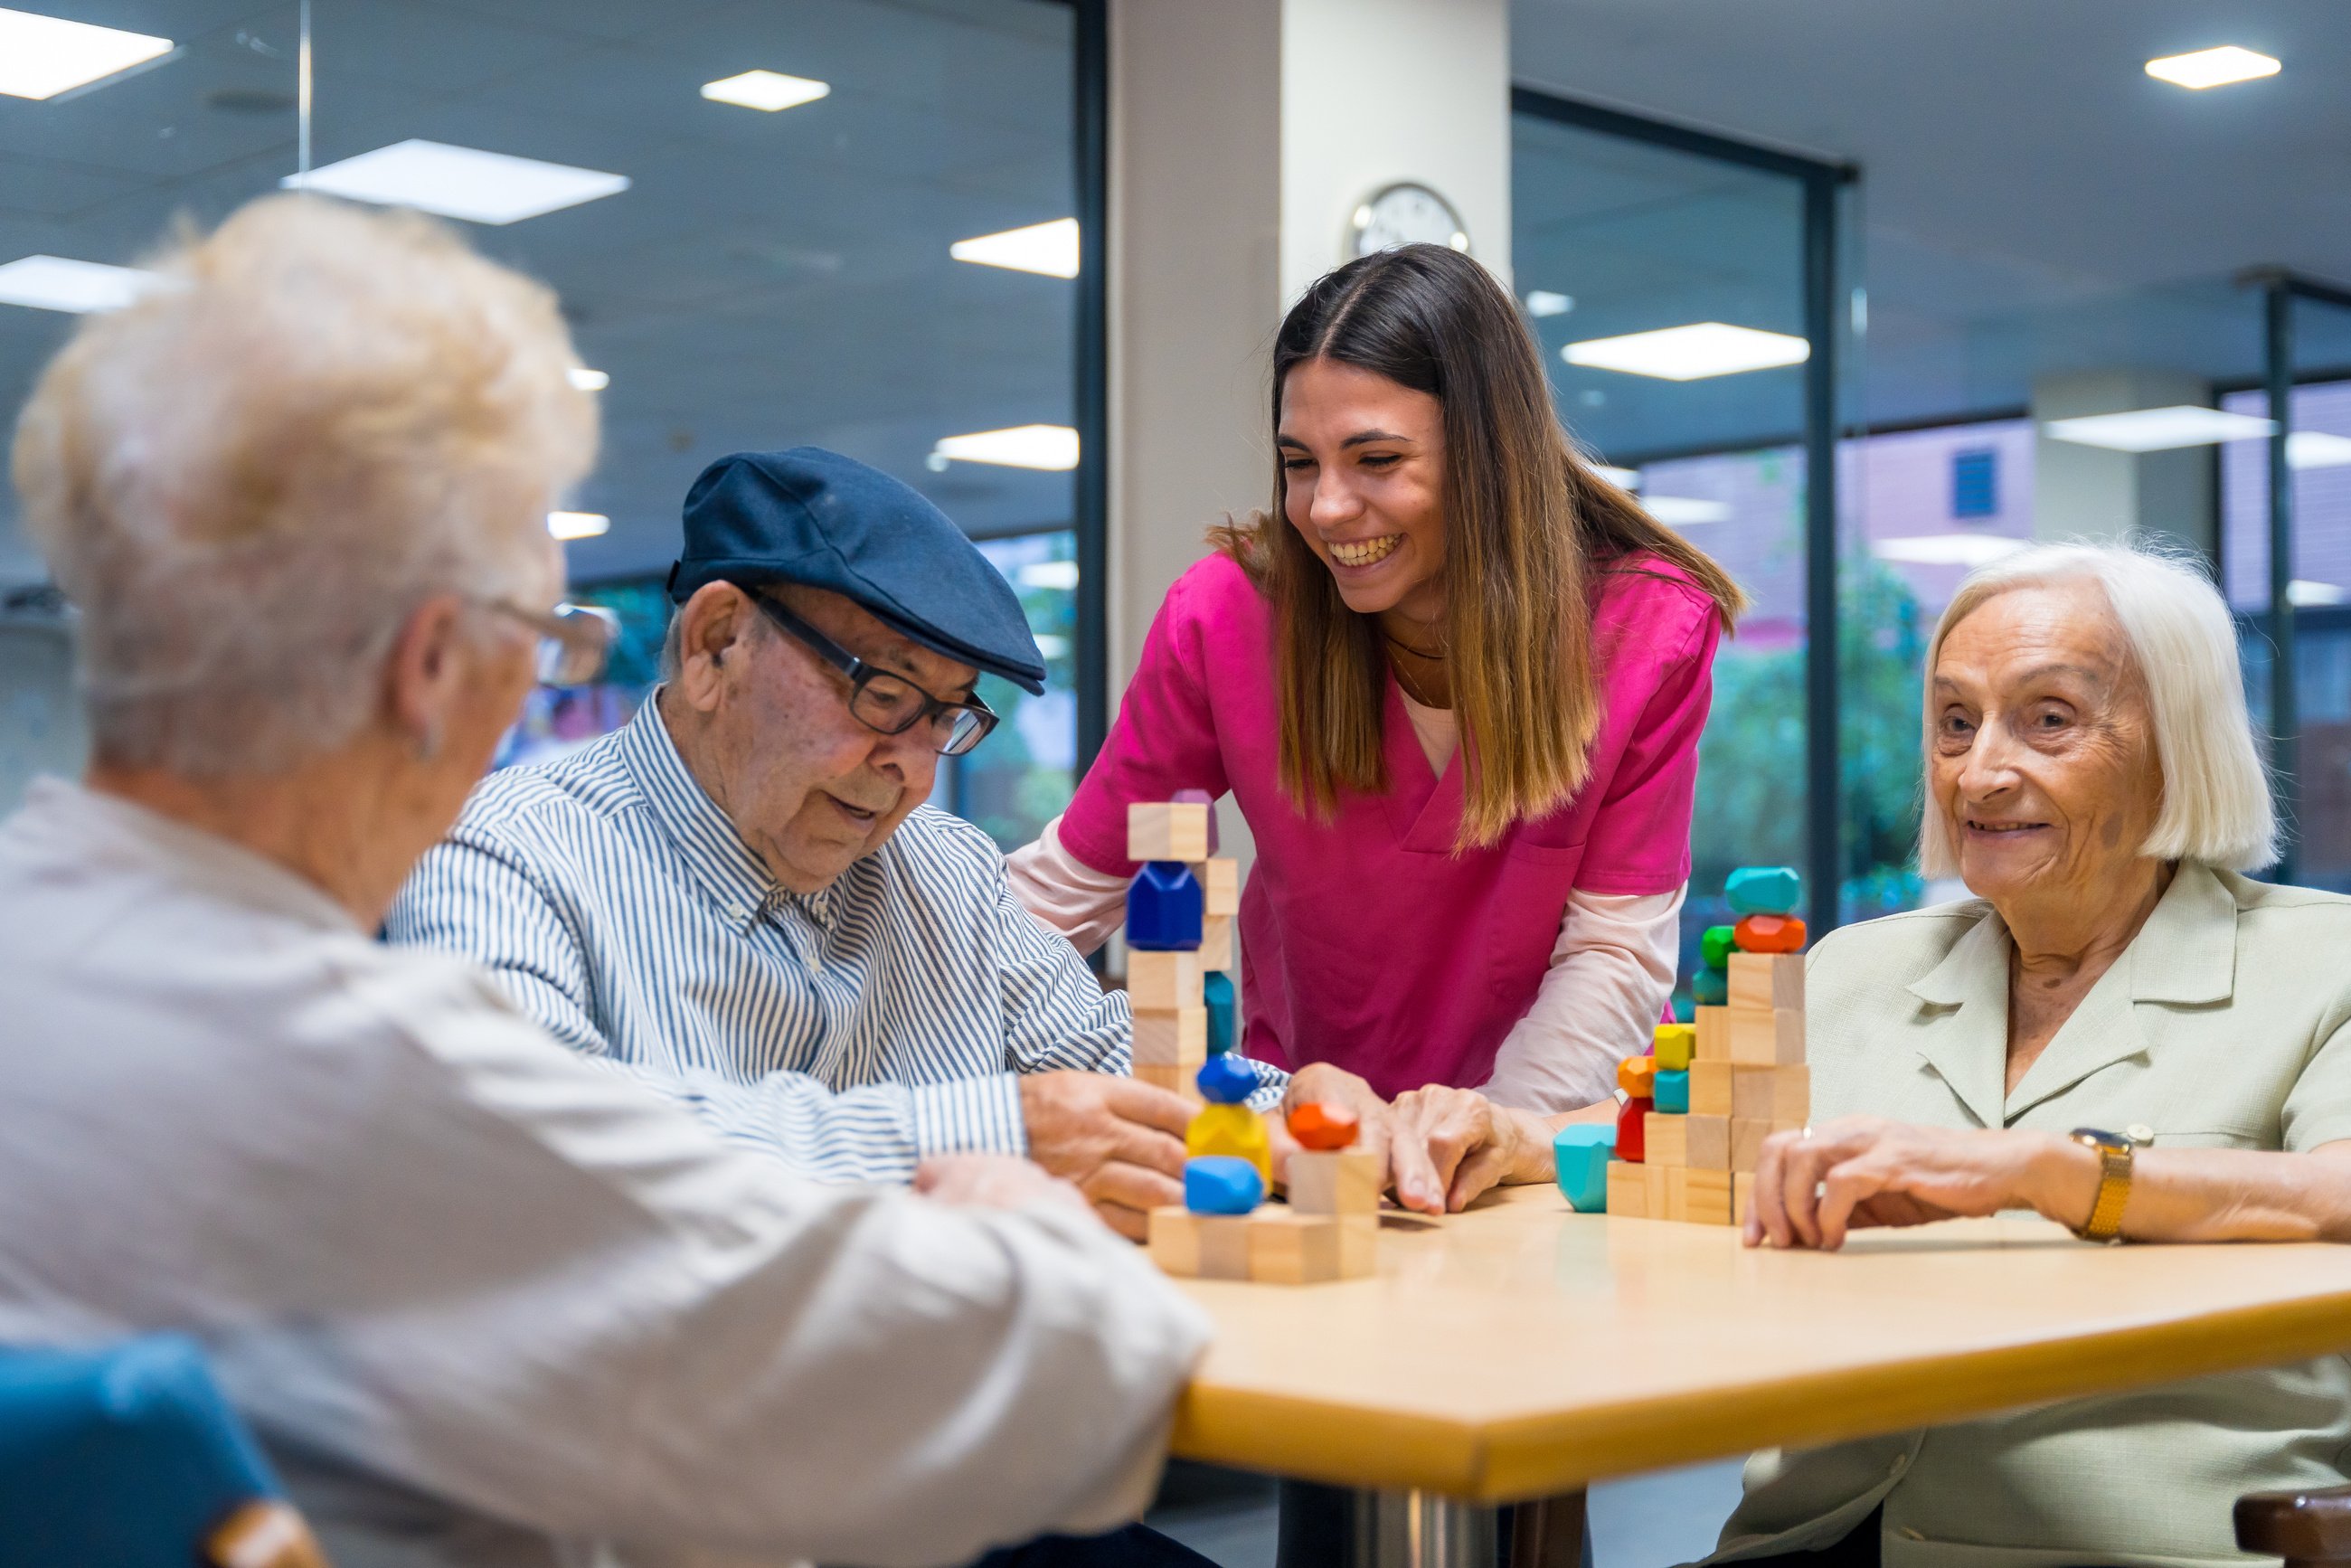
(1719,1087)
(1179,940)
(1330,1230)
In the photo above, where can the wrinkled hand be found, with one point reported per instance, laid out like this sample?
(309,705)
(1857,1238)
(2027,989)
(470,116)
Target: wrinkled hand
(1812,1187)
(1119,1140)
(1319,1083)
(1447,1145)
(995,1181)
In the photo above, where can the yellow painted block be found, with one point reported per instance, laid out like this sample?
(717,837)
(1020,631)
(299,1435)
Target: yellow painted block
(1230,1130)
(1674,1044)
(1775,1038)
(1335,1182)
(1157,981)
(1766,982)
(1165,830)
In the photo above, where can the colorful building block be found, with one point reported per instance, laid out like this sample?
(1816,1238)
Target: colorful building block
(1222,1184)
(1324,1127)
(1763,890)
(1222,1000)
(1710,1088)
(1774,1039)
(1230,1132)
(1632,1127)
(1206,802)
(1664,1139)
(1714,946)
(1581,1154)
(1673,1092)
(1710,988)
(1629,1191)
(1637,1076)
(1167,831)
(1164,908)
(1761,981)
(1673,1044)
(1333,1181)
(1161,978)
(1225,1081)
(1771,934)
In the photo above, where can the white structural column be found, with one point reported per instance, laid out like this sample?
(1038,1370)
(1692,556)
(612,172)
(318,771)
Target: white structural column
(2089,492)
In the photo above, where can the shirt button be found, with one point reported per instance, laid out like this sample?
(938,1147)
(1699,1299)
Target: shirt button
(2139,1132)
(737,912)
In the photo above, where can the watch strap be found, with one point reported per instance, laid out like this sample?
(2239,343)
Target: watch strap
(2106,1221)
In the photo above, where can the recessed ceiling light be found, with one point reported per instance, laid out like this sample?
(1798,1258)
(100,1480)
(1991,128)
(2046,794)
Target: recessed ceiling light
(1049,248)
(1681,512)
(459,182)
(2212,68)
(586,380)
(1690,353)
(2157,429)
(1543,302)
(41,57)
(578,524)
(1061,575)
(2301,591)
(54,283)
(1053,446)
(2317,449)
(1945,549)
(1623,478)
(770,91)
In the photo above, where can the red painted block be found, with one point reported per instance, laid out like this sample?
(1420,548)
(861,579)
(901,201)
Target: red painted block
(1631,1126)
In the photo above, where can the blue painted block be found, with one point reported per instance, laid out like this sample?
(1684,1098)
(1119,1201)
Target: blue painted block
(1710,988)
(1225,1081)
(1763,890)
(1582,1150)
(1164,908)
(1673,1094)
(1223,1002)
(1222,1184)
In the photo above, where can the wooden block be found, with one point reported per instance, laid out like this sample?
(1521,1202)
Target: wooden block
(1742,1197)
(1191,1246)
(1664,1139)
(1163,830)
(1707,1143)
(1220,886)
(1629,1191)
(1762,982)
(1677,1193)
(1344,1181)
(1358,1246)
(1168,1076)
(1713,1028)
(1775,1038)
(1746,1140)
(1706,1197)
(1772,1093)
(1710,1088)
(1177,1038)
(1654,1178)
(1286,1248)
(1216,944)
(1158,981)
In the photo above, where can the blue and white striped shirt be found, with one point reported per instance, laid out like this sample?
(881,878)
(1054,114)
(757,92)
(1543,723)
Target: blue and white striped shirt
(853,1030)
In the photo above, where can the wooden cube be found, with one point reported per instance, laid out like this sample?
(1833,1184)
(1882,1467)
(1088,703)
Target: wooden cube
(1707,1196)
(1654,1178)
(1710,1088)
(1172,1037)
(1764,982)
(1221,885)
(1746,1140)
(1191,1246)
(1286,1248)
(1342,1181)
(1629,1191)
(1664,1139)
(1168,1076)
(1358,1246)
(1216,945)
(1163,830)
(1677,1193)
(1707,1142)
(1158,981)
(1773,1093)
(1713,1030)
(1775,1038)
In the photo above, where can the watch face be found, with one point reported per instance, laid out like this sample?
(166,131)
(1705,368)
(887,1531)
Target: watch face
(1407,214)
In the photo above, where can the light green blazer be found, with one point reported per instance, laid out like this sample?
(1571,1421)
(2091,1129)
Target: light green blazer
(2221,1025)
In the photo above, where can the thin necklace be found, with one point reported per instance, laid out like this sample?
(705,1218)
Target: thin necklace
(1395,642)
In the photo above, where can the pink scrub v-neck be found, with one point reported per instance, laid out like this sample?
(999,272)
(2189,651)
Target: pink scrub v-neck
(1368,941)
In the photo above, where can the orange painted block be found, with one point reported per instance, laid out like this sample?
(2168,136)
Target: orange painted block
(1710,1088)
(1768,934)
(1713,1030)
(1190,1246)
(1220,887)
(1159,980)
(1216,945)
(1746,1140)
(1319,1126)
(1672,1044)
(1665,1140)
(1775,1038)
(1339,1182)
(1637,1076)
(1171,1036)
(1773,1093)
(1629,1191)
(1707,1142)
(1165,830)
(1760,982)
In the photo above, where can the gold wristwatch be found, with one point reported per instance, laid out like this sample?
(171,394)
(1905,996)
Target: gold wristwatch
(2114,1152)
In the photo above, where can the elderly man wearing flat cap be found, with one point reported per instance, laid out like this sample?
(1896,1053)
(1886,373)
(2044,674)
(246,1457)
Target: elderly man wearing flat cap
(741,896)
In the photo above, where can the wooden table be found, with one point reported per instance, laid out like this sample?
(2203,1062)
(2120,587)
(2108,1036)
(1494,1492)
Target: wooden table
(1521,1351)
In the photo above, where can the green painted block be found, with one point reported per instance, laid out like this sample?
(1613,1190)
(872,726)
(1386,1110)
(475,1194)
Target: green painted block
(1716,948)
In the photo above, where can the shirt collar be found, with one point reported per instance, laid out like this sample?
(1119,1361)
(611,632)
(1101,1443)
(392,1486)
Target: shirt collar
(705,838)
(2181,955)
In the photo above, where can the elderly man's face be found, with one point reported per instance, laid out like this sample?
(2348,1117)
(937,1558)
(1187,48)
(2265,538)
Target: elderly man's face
(2043,756)
(809,786)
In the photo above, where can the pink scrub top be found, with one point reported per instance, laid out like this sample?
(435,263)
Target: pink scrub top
(1369,943)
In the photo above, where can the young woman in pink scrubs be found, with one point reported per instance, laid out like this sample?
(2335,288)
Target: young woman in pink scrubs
(1455,683)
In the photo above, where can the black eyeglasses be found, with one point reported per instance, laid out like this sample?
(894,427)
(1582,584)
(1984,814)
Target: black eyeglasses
(880,701)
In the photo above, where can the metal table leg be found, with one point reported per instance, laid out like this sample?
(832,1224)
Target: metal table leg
(1338,1527)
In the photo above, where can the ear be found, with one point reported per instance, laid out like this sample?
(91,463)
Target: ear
(715,627)
(426,671)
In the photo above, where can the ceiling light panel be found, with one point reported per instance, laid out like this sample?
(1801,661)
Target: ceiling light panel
(578,524)
(2157,429)
(1543,302)
(1690,353)
(1048,248)
(1681,512)
(586,380)
(2317,449)
(78,287)
(769,91)
(2212,68)
(1049,446)
(1623,478)
(41,57)
(2305,593)
(459,182)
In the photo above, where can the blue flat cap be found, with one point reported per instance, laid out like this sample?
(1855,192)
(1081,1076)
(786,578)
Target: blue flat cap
(814,516)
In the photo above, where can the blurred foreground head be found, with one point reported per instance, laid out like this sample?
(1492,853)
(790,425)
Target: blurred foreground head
(251,482)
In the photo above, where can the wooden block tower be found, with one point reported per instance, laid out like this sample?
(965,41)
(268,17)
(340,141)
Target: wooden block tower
(1329,1228)
(1718,1087)
(1179,941)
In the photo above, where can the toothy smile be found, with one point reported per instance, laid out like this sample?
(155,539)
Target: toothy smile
(1366,552)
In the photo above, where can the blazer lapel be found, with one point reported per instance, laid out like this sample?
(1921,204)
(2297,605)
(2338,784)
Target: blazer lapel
(1962,1028)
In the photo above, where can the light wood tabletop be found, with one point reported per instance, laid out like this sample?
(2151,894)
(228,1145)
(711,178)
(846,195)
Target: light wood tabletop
(1521,1350)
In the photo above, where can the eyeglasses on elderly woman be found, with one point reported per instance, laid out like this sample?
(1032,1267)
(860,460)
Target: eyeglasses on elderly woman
(574,640)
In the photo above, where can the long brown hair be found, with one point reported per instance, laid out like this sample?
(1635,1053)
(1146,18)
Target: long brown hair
(1528,527)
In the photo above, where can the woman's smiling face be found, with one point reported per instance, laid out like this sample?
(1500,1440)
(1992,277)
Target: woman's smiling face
(1362,462)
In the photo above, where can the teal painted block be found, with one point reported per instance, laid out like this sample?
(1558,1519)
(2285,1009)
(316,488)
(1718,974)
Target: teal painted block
(1223,1002)
(1710,988)
(1763,890)
(1716,948)
(1673,1094)
(1581,1151)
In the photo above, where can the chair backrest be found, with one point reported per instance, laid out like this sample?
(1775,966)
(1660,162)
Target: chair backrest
(127,1457)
